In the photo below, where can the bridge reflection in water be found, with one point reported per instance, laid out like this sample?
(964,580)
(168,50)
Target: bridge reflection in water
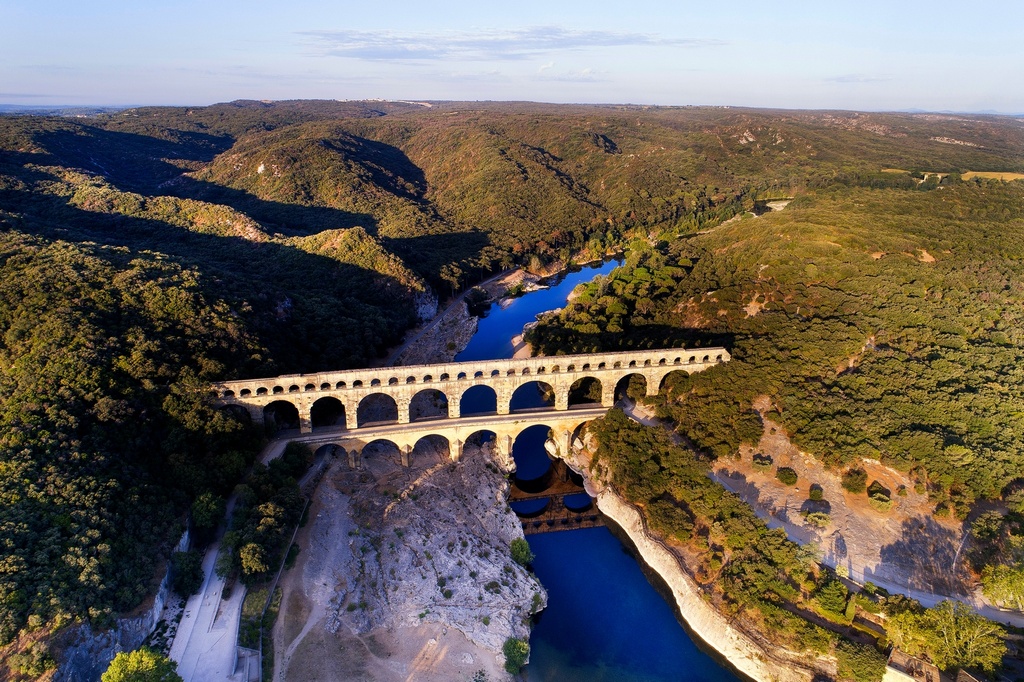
(555,501)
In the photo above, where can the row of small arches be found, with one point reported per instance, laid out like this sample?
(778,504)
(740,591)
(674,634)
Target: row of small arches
(462,376)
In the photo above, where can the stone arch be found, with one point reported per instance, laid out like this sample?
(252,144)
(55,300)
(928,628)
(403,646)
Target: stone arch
(532,394)
(238,413)
(427,379)
(443,377)
(616,365)
(478,375)
(393,381)
(718,358)
(430,450)
(556,369)
(484,438)
(280,415)
(585,391)
(533,464)
(294,388)
(374,383)
(480,399)
(358,383)
(228,394)
(326,386)
(676,381)
(601,365)
(677,361)
(632,364)
(377,408)
(706,358)
(429,403)
(310,387)
(262,390)
(327,411)
(340,384)
(245,393)
(278,390)
(381,452)
(410,380)
(495,372)
(632,386)
(462,375)
(510,373)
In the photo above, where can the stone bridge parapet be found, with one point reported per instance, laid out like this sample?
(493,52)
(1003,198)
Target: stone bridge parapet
(560,373)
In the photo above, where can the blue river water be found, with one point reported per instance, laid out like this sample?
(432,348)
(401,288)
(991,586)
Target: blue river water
(604,621)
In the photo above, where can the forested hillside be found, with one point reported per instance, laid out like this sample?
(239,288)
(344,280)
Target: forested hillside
(148,251)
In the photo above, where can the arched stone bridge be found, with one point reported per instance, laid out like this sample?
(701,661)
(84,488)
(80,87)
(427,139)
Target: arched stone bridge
(333,399)
(503,429)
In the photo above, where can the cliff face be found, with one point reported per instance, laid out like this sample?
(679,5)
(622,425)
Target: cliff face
(435,549)
(89,651)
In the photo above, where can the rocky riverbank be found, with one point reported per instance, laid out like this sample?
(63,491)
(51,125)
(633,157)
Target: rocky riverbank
(406,572)
(755,659)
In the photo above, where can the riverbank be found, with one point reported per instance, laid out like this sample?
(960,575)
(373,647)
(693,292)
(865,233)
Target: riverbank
(756,660)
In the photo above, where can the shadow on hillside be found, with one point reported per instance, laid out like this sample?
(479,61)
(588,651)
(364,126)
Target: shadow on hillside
(639,337)
(314,313)
(293,220)
(924,556)
(130,161)
(428,253)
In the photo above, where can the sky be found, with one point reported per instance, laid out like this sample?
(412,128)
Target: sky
(816,54)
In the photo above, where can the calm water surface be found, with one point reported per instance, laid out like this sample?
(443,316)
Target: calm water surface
(604,622)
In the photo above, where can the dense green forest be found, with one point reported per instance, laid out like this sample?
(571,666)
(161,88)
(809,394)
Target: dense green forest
(882,323)
(149,251)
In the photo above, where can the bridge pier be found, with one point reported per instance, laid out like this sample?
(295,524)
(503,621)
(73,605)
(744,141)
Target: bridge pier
(403,410)
(455,449)
(454,409)
(406,451)
(305,416)
(561,397)
(255,413)
(653,381)
(353,459)
(607,394)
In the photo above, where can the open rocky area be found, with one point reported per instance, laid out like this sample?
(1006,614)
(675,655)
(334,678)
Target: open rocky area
(405,573)
(905,548)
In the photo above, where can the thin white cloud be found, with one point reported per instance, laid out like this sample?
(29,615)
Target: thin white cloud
(583,76)
(483,45)
(858,78)
(545,67)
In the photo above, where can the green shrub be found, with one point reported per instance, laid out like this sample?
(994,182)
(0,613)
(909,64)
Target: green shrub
(880,503)
(521,552)
(762,462)
(816,494)
(855,480)
(786,475)
(516,651)
(859,662)
(818,519)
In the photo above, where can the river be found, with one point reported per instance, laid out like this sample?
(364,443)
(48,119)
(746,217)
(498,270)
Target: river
(604,621)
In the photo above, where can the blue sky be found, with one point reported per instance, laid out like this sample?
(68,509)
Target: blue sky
(817,54)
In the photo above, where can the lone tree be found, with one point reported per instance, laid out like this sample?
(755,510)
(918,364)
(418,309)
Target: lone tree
(141,665)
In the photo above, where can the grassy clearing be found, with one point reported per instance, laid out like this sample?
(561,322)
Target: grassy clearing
(993,175)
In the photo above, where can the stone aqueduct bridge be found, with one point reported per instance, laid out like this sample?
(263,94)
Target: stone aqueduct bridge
(346,391)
